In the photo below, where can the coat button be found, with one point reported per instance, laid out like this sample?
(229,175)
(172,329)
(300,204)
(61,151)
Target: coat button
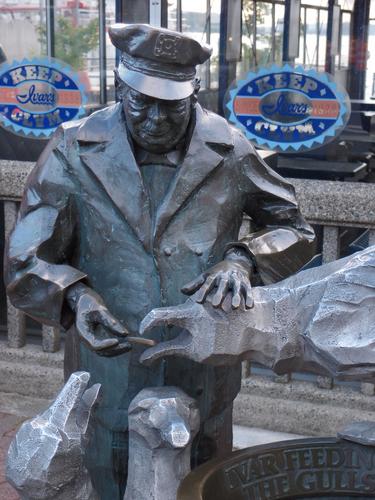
(198,251)
(167,251)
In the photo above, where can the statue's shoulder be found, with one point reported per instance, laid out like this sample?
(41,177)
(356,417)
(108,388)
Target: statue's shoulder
(218,130)
(242,146)
(96,127)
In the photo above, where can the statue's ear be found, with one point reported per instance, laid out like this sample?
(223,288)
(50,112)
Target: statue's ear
(120,86)
(197,86)
(118,80)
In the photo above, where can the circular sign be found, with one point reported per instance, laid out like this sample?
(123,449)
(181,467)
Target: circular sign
(288,109)
(37,95)
(314,468)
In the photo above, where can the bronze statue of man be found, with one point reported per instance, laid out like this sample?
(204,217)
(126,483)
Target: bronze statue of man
(133,207)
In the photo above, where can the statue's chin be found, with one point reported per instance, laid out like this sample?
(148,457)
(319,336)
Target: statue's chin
(155,144)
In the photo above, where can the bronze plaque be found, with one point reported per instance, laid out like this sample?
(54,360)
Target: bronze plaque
(300,469)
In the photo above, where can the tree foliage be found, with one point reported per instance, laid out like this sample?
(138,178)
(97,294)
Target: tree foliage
(72,42)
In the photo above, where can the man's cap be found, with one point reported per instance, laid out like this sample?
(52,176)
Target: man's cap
(158,62)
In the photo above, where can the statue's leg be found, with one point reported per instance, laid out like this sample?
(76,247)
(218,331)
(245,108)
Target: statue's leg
(107,452)
(72,358)
(107,462)
(215,438)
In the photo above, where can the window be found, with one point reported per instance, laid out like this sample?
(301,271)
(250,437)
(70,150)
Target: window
(68,30)
(313,36)
(201,20)
(370,74)
(262,34)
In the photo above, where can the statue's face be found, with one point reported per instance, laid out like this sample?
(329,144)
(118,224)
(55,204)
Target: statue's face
(156,125)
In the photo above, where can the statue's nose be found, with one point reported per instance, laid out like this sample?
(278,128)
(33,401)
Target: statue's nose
(177,434)
(157,112)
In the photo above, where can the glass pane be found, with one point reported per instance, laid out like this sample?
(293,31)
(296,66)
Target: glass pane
(345,39)
(248,41)
(322,45)
(279,28)
(77,40)
(195,22)
(263,33)
(301,58)
(311,38)
(172,15)
(214,42)
(346,4)
(370,73)
(316,3)
(22,32)
(110,18)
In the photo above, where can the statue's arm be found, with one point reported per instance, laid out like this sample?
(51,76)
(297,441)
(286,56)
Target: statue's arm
(38,251)
(40,277)
(283,241)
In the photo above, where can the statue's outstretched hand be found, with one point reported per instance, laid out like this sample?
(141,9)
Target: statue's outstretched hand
(96,326)
(230,276)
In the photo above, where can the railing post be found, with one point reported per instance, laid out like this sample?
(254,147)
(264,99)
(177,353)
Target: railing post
(51,337)
(331,243)
(16,327)
(371,237)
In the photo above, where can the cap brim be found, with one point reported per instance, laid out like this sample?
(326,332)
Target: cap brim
(161,88)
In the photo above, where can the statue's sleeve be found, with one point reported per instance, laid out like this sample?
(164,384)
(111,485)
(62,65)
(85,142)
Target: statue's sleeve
(282,241)
(37,269)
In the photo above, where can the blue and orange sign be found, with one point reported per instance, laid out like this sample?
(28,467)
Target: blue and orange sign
(288,109)
(37,95)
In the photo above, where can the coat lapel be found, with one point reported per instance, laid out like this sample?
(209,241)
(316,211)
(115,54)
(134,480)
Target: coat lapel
(105,150)
(199,162)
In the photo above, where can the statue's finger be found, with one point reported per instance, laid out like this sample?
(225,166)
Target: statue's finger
(236,298)
(205,289)
(109,321)
(249,299)
(118,349)
(84,331)
(221,292)
(193,286)
(175,347)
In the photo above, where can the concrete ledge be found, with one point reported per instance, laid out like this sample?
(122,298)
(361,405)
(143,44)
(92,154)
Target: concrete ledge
(32,354)
(323,202)
(299,407)
(336,203)
(22,406)
(30,371)
(13,175)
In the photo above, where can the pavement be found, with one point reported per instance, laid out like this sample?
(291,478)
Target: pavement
(15,409)
(8,427)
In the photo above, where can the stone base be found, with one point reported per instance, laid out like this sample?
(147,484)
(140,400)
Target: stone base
(299,407)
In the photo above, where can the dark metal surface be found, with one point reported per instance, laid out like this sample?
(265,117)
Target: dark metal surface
(89,224)
(324,468)
(307,168)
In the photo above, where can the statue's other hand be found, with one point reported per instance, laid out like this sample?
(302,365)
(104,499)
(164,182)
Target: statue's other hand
(226,277)
(96,325)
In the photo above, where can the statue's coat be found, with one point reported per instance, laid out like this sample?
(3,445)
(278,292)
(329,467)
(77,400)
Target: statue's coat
(85,216)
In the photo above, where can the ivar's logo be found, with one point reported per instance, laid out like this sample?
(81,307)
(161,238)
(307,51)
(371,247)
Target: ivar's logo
(288,109)
(37,96)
